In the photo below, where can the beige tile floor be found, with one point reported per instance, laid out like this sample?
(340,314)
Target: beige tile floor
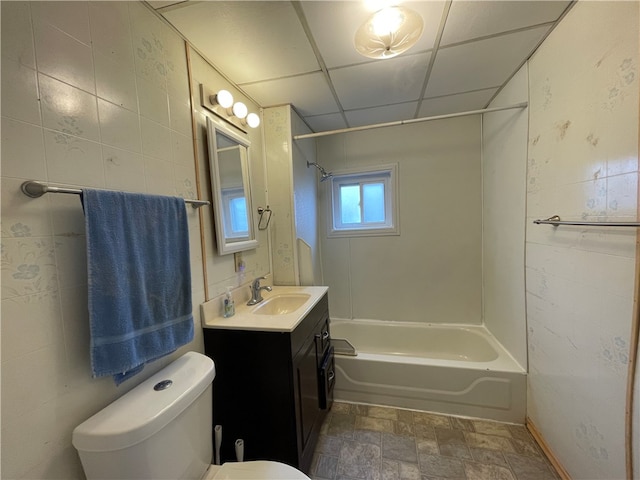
(383,443)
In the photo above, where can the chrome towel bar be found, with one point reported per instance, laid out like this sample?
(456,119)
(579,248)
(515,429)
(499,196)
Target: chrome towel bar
(35,189)
(556,221)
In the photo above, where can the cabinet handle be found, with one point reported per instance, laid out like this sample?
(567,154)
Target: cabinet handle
(325,335)
(331,376)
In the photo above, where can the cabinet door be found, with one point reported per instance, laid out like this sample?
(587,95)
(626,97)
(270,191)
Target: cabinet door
(306,371)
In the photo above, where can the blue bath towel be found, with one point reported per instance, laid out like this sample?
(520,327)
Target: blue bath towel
(139,279)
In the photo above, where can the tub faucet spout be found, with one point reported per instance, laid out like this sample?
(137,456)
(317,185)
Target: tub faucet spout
(256,296)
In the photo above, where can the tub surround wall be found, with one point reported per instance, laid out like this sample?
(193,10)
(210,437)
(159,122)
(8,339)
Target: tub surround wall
(583,163)
(305,202)
(431,272)
(94,94)
(504,191)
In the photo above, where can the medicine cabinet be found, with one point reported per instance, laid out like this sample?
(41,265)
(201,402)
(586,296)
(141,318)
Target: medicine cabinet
(230,181)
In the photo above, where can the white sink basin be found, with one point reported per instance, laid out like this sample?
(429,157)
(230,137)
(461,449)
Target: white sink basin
(282,304)
(281,310)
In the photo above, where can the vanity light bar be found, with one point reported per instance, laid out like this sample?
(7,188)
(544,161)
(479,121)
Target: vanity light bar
(222,104)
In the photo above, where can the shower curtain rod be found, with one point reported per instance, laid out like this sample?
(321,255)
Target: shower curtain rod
(35,189)
(413,120)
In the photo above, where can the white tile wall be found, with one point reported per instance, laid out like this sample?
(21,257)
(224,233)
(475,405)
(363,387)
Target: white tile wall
(68,109)
(22,140)
(61,56)
(115,82)
(17,34)
(107,106)
(156,139)
(119,127)
(583,163)
(20,91)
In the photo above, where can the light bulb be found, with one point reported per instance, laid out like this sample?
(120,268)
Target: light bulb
(253,120)
(240,110)
(224,98)
(387,21)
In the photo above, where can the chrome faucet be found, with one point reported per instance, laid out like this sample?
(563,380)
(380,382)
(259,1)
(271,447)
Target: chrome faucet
(256,296)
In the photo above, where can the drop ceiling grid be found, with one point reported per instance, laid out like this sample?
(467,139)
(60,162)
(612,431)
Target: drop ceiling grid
(264,49)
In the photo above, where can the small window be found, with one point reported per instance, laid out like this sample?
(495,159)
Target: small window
(364,203)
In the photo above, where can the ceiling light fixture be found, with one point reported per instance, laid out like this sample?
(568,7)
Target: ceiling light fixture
(389,32)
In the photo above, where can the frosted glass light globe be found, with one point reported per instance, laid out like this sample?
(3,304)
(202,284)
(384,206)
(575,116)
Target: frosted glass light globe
(224,98)
(389,32)
(240,110)
(253,120)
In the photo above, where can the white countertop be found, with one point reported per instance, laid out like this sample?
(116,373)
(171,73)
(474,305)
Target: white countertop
(244,319)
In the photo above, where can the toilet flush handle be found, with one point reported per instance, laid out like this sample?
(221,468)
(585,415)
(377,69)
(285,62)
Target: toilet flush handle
(163,385)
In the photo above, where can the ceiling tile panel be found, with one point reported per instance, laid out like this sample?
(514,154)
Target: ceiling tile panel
(309,93)
(473,19)
(248,41)
(388,113)
(481,64)
(323,123)
(334,28)
(462,102)
(395,80)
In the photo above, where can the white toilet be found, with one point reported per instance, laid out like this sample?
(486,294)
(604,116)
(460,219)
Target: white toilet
(162,429)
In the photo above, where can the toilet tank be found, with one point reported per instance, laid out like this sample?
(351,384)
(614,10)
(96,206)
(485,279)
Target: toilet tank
(153,432)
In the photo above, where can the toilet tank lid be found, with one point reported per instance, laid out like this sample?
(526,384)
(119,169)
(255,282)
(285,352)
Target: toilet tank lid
(143,411)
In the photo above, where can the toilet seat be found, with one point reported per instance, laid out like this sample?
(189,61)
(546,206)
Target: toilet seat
(254,470)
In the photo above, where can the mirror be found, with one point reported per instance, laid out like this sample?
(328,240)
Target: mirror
(232,208)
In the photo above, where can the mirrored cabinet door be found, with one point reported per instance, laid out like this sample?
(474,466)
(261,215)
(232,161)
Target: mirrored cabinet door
(230,179)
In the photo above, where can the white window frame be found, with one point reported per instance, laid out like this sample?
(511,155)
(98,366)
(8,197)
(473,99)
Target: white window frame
(387,174)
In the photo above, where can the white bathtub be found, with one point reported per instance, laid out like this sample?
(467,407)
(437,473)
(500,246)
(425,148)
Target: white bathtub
(452,369)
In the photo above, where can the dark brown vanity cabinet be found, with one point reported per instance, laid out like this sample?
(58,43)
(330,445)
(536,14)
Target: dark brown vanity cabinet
(271,390)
